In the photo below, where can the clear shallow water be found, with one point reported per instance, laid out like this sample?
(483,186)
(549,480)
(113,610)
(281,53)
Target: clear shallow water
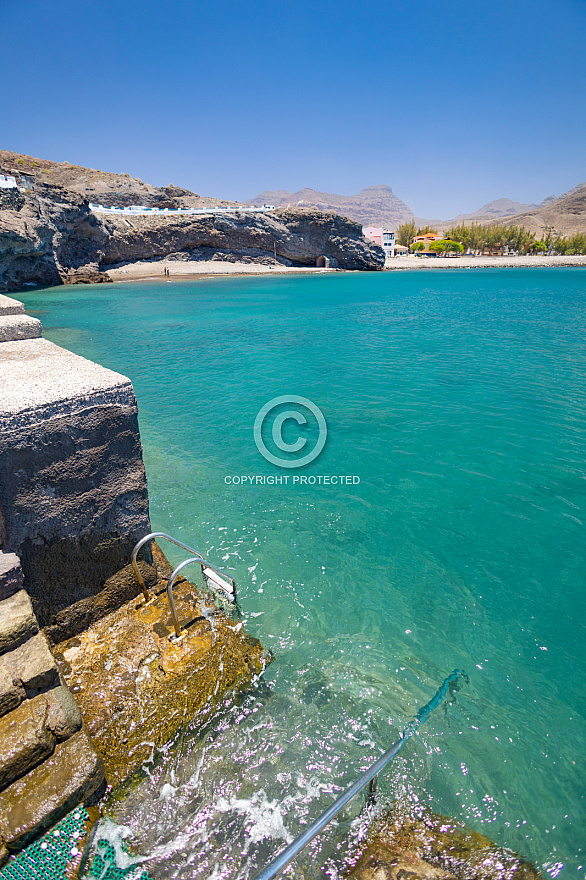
(459,399)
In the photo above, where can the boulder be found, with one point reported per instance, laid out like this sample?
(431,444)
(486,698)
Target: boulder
(17,621)
(25,740)
(427,846)
(72,774)
(63,713)
(33,665)
(11,576)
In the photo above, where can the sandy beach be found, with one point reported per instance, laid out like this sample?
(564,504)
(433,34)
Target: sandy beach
(412,262)
(193,269)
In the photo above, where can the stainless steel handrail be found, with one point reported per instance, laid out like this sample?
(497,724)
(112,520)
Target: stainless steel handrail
(142,542)
(301,842)
(204,564)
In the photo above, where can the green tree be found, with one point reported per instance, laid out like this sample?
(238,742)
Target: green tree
(575,244)
(418,246)
(446,246)
(405,234)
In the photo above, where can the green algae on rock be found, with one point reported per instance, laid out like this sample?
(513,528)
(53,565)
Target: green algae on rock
(427,846)
(137,688)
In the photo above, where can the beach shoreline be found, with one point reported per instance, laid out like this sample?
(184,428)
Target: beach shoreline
(143,271)
(148,271)
(466,262)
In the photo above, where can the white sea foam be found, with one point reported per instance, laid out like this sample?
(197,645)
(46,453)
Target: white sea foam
(264,818)
(109,833)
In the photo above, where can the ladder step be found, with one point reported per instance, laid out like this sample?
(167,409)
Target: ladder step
(219,581)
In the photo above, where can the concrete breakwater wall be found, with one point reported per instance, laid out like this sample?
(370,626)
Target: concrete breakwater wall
(73,491)
(73,502)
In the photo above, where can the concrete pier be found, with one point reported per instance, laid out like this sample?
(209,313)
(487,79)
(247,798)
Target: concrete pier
(73,493)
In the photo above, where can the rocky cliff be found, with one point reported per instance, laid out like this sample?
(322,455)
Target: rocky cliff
(299,237)
(49,235)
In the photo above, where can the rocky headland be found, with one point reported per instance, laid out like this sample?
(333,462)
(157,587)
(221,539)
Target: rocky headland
(49,235)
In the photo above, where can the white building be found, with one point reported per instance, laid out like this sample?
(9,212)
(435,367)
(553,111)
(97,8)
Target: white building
(383,237)
(7,181)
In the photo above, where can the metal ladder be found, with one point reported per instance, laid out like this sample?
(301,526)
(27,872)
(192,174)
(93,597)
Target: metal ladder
(217,580)
(370,776)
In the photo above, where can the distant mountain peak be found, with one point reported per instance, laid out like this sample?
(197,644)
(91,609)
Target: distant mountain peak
(497,208)
(372,206)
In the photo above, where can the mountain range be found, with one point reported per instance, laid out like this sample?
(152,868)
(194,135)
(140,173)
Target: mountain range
(372,206)
(379,206)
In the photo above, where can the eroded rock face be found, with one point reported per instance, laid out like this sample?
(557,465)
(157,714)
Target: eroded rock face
(48,237)
(136,687)
(404,846)
(300,237)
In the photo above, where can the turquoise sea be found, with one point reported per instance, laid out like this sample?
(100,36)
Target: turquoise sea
(458,398)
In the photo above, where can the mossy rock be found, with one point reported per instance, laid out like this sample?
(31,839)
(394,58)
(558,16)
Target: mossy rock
(136,687)
(428,846)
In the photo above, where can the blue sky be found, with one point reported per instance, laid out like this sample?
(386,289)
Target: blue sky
(452,104)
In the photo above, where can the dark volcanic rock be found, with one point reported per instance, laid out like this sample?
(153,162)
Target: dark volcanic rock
(49,237)
(299,236)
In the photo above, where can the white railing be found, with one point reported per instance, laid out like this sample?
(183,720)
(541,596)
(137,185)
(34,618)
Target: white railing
(143,211)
